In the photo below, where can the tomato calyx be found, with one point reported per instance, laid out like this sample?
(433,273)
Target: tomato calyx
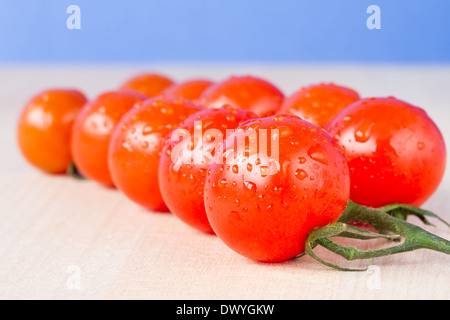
(409,236)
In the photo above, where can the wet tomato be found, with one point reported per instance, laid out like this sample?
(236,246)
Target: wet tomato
(277,178)
(184,163)
(136,144)
(190,89)
(244,92)
(319,103)
(150,84)
(45,127)
(395,151)
(92,131)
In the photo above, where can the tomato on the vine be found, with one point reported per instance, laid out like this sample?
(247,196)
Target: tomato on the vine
(135,148)
(45,127)
(244,92)
(92,131)
(150,84)
(264,194)
(319,103)
(183,164)
(395,152)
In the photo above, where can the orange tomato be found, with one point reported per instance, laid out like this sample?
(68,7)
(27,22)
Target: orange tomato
(45,127)
(244,92)
(191,89)
(319,103)
(92,131)
(136,144)
(150,84)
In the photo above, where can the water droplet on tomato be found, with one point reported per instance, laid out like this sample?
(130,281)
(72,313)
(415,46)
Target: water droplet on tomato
(265,171)
(223,183)
(363,131)
(249,167)
(300,174)
(301,160)
(318,154)
(147,130)
(284,131)
(420,145)
(235,169)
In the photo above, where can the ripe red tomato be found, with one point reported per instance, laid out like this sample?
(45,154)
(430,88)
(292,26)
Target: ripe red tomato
(92,131)
(245,92)
(150,84)
(395,151)
(135,148)
(191,89)
(45,127)
(183,164)
(264,206)
(319,103)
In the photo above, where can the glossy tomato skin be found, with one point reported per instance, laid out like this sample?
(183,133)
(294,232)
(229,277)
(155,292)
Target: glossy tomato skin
(395,151)
(264,208)
(45,127)
(183,164)
(319,103)
(136,144)
(244,92)
(150,84)
(190,89)
(92,131)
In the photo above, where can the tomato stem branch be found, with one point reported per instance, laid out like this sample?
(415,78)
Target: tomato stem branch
(412,236)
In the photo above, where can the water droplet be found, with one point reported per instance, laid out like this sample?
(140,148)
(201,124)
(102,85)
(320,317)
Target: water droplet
(300,174)
(235,169)
(318,154)
(265,171)
(127,146)
(223,183)
(301,160)
(284,131)
(420,145)
(363,131)
(278,117)
(147,130)
(249,167)
(284,204)
(144,144)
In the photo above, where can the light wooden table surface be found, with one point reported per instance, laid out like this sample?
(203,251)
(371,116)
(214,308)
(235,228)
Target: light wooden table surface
(67,239)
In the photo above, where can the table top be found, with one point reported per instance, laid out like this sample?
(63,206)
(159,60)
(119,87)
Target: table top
(62,238)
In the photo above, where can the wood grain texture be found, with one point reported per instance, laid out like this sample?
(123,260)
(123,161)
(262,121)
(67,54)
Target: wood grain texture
(62,238)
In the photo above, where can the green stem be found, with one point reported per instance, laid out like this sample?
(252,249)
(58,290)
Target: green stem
(72,171)
(388,226)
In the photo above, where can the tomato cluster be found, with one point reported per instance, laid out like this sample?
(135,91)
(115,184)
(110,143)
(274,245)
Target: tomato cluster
(237,158)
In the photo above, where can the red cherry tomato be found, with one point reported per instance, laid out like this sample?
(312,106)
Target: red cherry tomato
(395,151)
(190,90)
(136,144)
(45,126)
(184,163)
(150,84)
(264,204)
(319,103)
(92,131)
(246,92)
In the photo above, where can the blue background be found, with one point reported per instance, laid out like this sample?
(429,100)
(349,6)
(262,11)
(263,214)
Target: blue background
(224,30)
